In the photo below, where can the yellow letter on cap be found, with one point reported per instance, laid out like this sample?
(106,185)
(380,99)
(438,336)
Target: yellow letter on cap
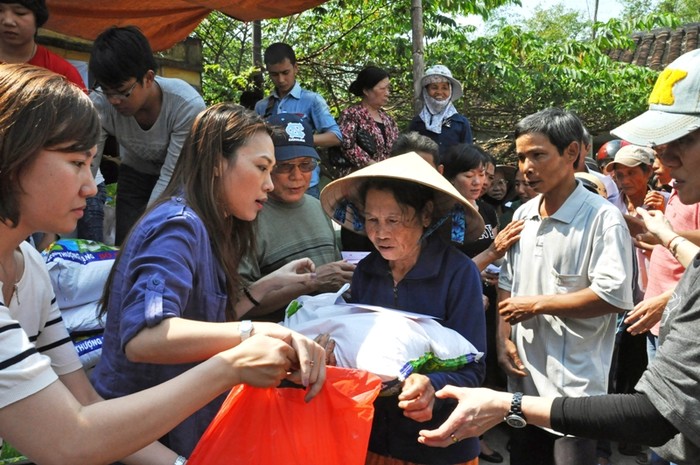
(663,89)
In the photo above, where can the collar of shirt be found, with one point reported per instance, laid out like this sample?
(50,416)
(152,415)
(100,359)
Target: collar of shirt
(295,92)
(569,209)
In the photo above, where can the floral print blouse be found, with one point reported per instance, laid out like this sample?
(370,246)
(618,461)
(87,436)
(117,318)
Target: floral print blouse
(357,116)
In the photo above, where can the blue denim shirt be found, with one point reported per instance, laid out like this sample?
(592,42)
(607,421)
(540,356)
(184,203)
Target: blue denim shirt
(167,269)
(309,105)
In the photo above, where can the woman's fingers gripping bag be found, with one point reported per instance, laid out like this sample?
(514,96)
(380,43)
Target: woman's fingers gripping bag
(257,426)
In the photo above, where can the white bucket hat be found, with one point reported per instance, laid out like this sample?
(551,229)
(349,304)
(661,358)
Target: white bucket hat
(444,72)
(674,105)
(341,198)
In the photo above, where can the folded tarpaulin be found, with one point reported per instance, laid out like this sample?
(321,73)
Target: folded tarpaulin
(164,22)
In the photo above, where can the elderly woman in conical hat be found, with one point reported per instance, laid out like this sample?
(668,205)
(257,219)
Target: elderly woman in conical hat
(399,203)
(439,119)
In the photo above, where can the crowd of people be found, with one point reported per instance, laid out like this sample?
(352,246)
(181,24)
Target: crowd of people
(567,271)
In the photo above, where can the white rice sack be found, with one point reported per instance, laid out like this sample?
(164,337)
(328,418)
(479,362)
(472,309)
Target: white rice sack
(82,318)
(78,270)
(379,340)
(89,350)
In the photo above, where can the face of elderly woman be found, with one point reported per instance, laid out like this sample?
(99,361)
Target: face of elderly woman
(378,96)
(394,229)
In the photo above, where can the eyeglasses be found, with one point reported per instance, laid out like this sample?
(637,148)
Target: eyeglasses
(304,167)
(500,182)
(115,95)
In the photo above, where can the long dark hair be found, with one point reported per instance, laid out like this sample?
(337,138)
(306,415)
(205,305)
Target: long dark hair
(217,133)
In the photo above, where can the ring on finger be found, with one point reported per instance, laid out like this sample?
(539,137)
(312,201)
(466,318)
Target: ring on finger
(454,438)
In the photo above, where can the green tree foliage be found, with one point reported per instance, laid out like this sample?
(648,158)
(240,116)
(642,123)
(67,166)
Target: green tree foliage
(515,72)
(558,23)
(507,74)
(686,11)
(227,57)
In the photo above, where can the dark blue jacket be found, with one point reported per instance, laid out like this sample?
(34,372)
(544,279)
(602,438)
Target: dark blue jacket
(455,130)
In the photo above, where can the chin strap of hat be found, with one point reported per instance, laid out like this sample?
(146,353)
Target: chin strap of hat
(459,223)
(340,214)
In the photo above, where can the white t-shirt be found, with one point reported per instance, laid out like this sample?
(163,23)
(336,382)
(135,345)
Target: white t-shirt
(34,306)
(23,371)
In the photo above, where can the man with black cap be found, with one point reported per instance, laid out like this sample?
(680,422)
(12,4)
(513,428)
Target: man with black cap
(292,225)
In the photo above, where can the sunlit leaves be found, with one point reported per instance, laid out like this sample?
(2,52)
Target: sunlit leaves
(507,74)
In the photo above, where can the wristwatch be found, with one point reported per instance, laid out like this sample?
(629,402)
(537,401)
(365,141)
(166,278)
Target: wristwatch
(246,329)
(515,417)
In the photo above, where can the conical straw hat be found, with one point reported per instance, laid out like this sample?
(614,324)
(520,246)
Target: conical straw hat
(341,199)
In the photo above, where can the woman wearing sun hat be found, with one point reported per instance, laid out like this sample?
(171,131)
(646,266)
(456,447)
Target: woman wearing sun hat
(439,119)
(399,203)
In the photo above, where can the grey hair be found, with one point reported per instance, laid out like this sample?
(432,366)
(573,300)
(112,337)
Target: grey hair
(415,142)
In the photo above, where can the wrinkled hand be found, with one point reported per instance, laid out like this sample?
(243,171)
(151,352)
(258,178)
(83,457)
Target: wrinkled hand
(655,201)
(417,398)
(328,344)
(294,272)
(509,359)
(309,368)
(517,309)
(478,410)
(655,222)
(646,314)
(645,241)
(506,237)
(331,276)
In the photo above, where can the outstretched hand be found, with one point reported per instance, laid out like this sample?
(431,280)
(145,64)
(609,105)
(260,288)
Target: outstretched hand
(478,410)
(297,271)
(646,314)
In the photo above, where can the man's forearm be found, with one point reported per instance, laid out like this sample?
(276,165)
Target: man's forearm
(580,304)
(326,139)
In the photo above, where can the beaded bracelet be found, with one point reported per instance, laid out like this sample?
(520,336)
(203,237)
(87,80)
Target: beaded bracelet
(250,297)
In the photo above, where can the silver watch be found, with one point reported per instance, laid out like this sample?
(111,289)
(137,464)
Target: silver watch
(246,329)
(515,416)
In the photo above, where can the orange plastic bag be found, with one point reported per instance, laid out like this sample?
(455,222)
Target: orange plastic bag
(275,426)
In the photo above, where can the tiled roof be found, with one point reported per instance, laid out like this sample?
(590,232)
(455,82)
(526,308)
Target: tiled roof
(658,48)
